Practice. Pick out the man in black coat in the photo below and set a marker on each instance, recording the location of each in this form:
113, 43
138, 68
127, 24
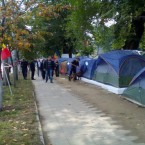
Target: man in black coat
42, 68
56, 68
32, 69
24, 65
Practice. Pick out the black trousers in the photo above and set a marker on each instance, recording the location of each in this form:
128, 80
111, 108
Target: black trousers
43, 74
57, 72
24, 73
32, 74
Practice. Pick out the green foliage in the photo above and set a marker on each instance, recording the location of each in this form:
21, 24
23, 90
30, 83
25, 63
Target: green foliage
65, 24
92, 16
142, 43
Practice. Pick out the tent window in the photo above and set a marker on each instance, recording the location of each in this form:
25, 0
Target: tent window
132, 66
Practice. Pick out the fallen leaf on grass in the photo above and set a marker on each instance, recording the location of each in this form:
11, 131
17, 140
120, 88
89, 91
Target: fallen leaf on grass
25, 129
25, 134
23, 123
15, 128
14, 140
10, 120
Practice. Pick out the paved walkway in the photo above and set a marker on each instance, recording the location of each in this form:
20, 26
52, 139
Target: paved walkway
68, 120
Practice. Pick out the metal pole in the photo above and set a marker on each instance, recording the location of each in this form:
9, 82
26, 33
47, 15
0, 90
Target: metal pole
7, 80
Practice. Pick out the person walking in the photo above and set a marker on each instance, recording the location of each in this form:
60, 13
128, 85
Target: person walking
56, 68
24, 65
32, 69
38, 67
49, 68
42, 68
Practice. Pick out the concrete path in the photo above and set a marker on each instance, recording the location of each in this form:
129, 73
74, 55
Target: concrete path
68, 120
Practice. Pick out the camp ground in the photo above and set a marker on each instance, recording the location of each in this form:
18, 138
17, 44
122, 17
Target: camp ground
136, 90
114, 71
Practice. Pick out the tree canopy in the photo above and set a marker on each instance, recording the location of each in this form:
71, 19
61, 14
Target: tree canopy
114, 24
42, 27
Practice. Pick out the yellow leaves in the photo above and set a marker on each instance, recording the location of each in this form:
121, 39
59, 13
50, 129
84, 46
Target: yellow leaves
1, 28
17, 36
25, 32
6, 38
51, 11
58, 8
25, 45
20, 44
9, 38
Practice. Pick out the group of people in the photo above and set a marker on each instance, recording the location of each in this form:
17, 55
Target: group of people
45, 67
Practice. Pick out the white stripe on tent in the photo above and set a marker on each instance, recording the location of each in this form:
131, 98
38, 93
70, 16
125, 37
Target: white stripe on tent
105, 86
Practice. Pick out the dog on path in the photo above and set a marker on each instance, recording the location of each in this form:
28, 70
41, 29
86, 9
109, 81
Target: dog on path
77, 75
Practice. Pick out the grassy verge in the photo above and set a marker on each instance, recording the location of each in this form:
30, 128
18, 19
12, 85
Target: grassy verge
18, 124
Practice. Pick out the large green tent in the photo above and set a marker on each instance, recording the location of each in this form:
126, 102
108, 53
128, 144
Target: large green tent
136, 90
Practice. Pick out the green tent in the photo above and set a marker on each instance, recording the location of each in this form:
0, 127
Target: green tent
136, 90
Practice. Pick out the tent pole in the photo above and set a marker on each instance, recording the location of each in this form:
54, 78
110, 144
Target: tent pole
140, 91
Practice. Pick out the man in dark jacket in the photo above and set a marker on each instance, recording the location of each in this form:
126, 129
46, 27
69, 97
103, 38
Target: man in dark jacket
74, 65
42, 68
56, 68
32, 69
24, 65
49, 68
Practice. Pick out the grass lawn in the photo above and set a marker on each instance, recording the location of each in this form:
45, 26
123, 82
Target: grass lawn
18, 124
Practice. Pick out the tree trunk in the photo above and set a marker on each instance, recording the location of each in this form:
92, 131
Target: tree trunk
15, 68
136, 33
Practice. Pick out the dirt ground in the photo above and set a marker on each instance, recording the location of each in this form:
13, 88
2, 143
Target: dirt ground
128, 115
